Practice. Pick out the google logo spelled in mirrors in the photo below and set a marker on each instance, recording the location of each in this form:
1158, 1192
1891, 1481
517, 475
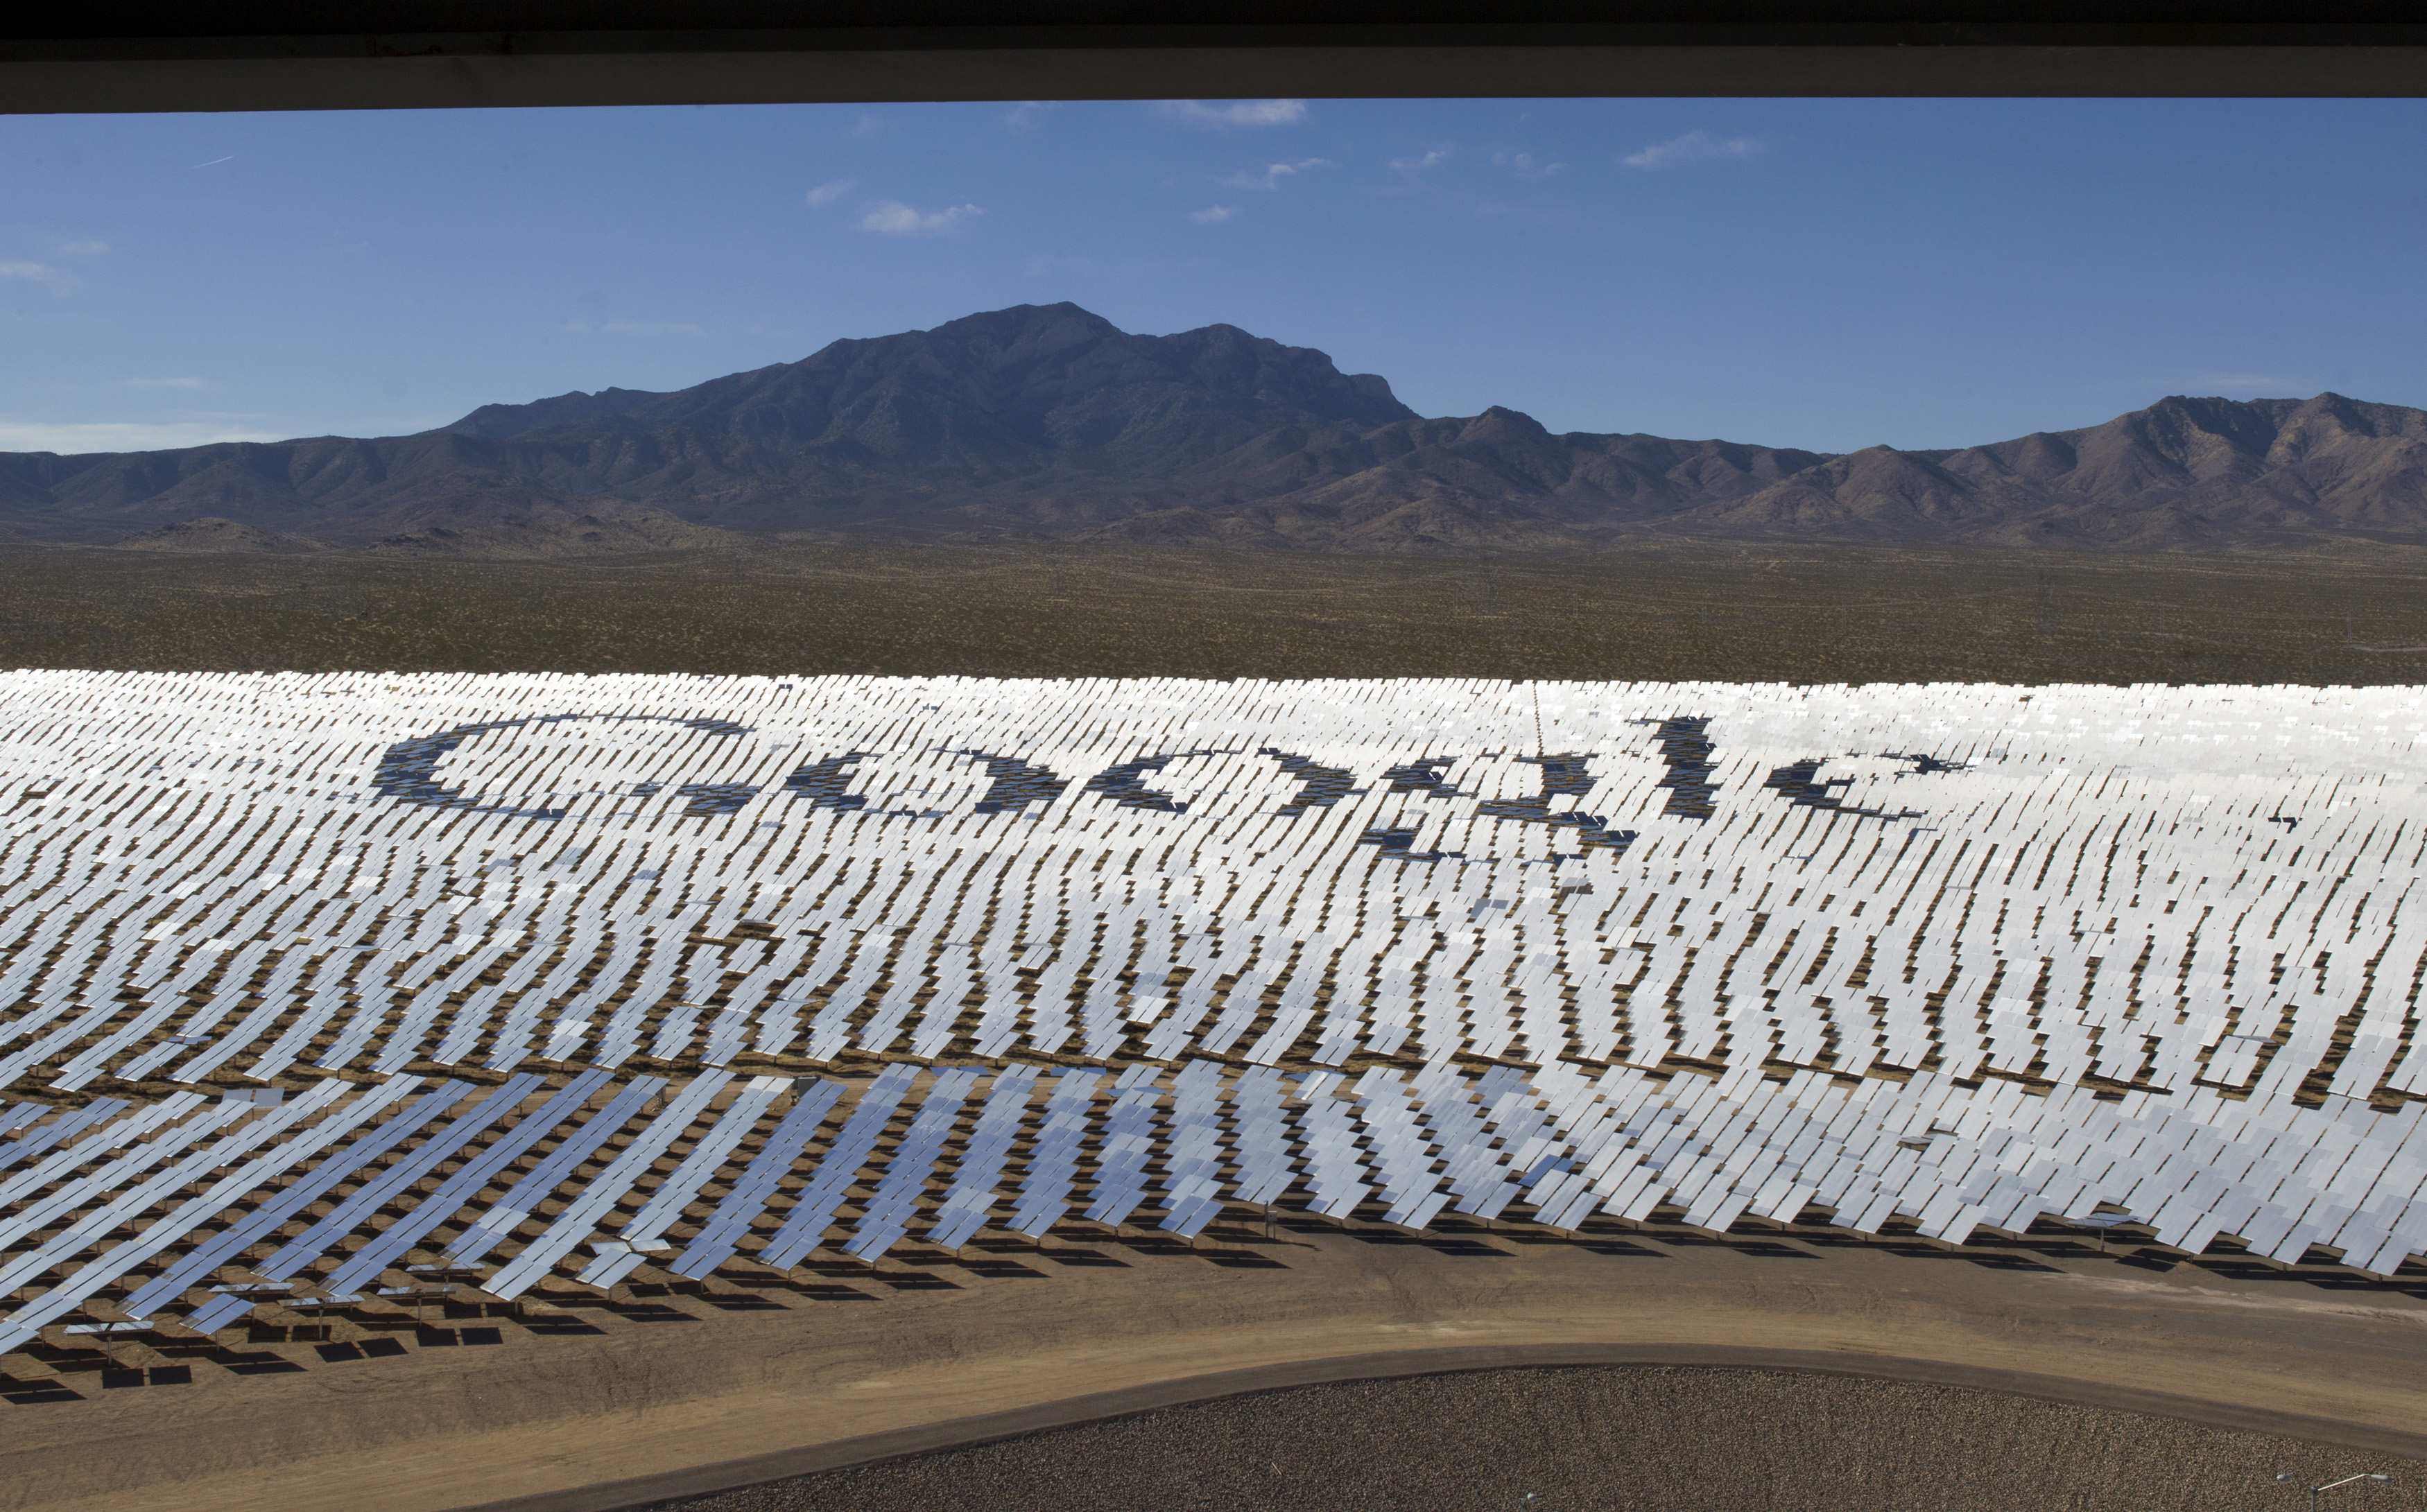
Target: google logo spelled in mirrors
1671, 770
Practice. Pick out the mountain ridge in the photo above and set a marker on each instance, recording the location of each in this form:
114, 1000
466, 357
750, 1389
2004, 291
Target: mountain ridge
1048, 421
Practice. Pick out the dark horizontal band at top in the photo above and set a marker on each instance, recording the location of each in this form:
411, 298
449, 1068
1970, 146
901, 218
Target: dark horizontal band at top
428, 54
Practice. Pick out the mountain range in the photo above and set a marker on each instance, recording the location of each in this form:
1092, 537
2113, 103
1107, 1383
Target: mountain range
1046, 421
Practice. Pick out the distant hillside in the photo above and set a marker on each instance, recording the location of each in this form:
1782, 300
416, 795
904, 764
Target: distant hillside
1045, 421
210, 532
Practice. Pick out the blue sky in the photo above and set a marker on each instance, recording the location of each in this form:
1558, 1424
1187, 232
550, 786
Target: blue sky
1818, 273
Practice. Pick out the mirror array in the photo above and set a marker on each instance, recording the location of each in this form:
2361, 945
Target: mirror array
312, 988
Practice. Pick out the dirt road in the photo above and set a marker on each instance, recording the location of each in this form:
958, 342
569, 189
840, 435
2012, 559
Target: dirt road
874, 1362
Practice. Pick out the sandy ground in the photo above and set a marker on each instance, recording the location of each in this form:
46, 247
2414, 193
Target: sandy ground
928, 1351
2355, 614
1583, 1438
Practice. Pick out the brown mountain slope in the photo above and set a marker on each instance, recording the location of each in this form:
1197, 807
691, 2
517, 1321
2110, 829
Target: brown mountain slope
2182, 471
1048, 421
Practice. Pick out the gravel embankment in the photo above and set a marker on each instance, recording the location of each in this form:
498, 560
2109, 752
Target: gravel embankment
1638, 1438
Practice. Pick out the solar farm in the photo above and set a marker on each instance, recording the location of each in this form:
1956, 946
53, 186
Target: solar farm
319, 992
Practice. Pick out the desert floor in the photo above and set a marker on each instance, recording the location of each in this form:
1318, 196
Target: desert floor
1636, 1437
669, 1395
2352, 615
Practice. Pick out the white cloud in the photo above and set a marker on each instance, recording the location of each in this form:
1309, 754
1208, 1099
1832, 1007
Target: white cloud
1234, 112
636, 328
891, 218
1693, 147
868, 123
1431, 159
57, 280
1212, 215
831, 190
109, 435
83, 248
189, 383
1271, 175
214, 162
1028, 114
1525, 166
